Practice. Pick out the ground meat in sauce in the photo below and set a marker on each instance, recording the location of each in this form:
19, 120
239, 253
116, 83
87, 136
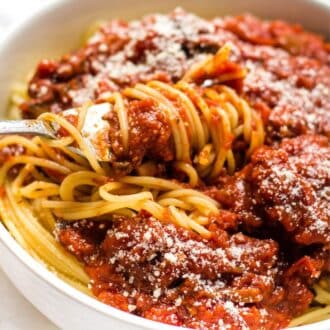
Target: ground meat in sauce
172, 275
118, 55
288, 78
288, 184
149, 135
279, 34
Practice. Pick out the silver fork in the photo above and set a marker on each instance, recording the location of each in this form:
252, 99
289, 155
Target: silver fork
27, 127
94, 122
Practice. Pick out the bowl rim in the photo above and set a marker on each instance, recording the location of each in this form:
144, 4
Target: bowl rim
40, 270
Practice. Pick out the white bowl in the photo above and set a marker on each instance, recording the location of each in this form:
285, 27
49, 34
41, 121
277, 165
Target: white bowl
53, 30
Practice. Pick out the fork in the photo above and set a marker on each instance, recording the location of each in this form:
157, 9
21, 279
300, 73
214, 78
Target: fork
38, 127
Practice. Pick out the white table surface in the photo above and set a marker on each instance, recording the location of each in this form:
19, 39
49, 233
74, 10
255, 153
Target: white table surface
16, 313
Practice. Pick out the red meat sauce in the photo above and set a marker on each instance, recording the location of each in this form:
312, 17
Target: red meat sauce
286, 187
288, 78
149, 136
171, 275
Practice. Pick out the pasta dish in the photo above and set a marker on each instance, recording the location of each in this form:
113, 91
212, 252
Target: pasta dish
210, 207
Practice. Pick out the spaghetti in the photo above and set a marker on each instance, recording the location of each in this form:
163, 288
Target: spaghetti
168, 201
214, 118
204, 122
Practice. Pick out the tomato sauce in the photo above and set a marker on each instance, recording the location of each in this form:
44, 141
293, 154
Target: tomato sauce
149, 136
287, 187
288, 68
171, 275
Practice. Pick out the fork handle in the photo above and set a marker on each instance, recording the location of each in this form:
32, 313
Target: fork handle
27, 127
